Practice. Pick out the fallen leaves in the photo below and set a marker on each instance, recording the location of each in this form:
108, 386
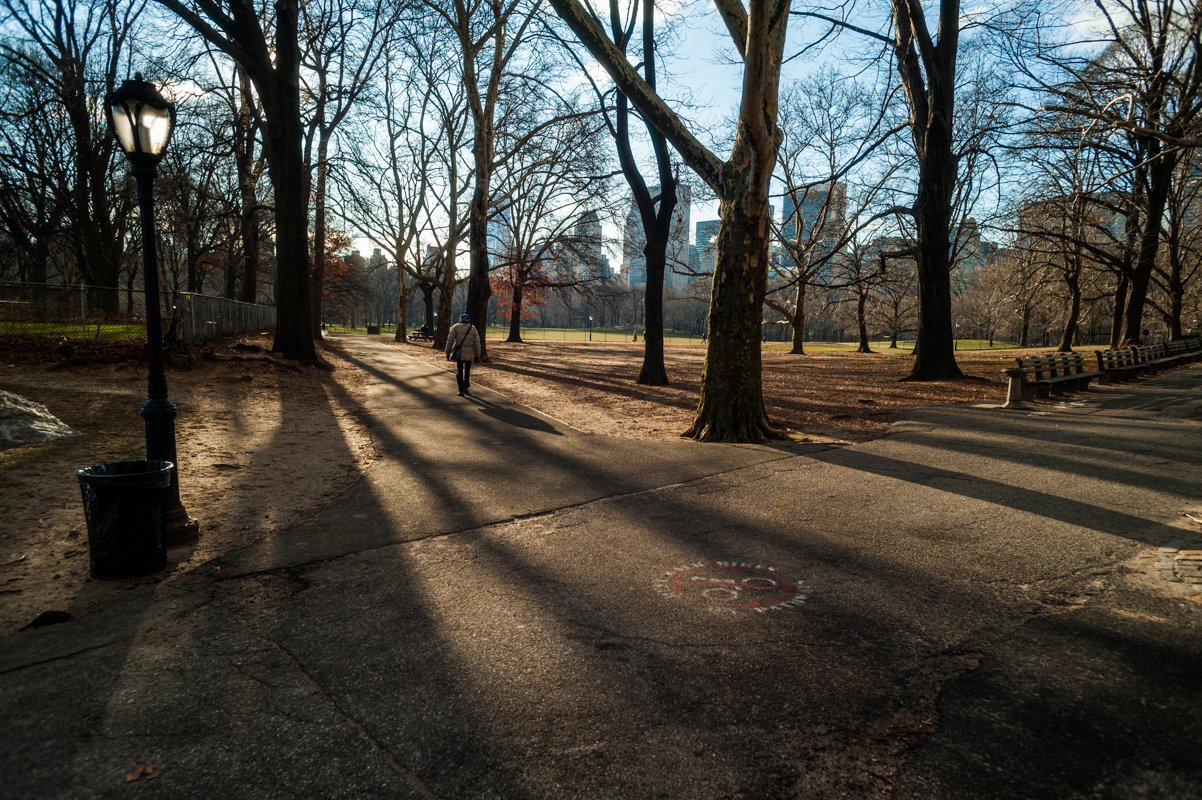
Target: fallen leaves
148, 772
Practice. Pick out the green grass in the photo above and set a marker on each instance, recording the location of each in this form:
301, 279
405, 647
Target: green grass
73, 330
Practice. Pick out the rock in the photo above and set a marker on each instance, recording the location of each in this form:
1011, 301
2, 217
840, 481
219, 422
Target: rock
24, 421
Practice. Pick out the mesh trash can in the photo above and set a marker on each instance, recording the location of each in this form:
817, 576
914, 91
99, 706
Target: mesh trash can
123, 506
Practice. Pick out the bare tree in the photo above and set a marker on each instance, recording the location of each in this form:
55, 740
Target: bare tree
831, 127
343, 45
1179, 268
76, 49
269, 52
549, 199
732, 401
1147, 84
394, 178
926, 63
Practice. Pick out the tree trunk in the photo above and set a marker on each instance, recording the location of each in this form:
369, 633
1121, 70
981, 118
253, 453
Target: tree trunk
446, 293
515, 316
930, 92
862, 323
318, 274
427, 290
1024, 336
1160, 176
1120, 304
285, 160
799, 320
244, 159
934, 348
1074, 316
653, 372
731, 408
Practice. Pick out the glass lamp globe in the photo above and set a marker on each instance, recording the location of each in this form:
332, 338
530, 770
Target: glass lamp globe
141, 118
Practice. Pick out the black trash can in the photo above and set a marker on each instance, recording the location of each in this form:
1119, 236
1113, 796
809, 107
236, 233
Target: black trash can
123, 505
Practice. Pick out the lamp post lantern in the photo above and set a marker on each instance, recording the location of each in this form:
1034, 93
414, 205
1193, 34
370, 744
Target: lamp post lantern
142, 120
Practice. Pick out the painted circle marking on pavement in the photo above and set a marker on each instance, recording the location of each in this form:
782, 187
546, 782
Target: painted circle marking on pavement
732, 585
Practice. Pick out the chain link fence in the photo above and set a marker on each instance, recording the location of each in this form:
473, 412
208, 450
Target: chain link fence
83, 313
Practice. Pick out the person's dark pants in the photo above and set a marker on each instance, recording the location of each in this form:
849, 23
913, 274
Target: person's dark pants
463, 374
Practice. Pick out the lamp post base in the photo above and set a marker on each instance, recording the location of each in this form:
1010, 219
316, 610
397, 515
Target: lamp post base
178, 526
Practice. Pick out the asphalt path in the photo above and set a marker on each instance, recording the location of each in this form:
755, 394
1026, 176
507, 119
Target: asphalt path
503, 607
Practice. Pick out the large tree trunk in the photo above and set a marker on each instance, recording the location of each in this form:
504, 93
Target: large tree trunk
929, 84
285, 160
478, 289
515, 316
653, 372
731, 408
934, 348
1160, 176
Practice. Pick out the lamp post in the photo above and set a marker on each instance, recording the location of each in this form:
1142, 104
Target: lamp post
142, 121
590, 327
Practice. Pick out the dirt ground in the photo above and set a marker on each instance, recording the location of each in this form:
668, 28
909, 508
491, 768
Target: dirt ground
262, 443
260, 446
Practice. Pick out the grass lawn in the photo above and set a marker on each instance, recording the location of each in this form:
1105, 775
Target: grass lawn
114, 331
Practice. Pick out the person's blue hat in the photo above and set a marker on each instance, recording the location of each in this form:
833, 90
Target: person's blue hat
464, 317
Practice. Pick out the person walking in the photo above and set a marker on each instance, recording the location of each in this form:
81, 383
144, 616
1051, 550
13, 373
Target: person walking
463, 345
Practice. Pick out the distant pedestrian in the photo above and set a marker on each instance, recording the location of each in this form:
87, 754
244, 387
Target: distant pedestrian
463, 346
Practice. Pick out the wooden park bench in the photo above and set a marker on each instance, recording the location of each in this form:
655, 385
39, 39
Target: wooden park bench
419, 336
1046, 375
1120, 365
1042, 376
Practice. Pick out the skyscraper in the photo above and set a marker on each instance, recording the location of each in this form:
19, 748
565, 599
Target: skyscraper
707, 244
589, 260
822, 232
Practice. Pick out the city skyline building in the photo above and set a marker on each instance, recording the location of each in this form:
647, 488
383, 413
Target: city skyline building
707, 244
589, 260
818, 215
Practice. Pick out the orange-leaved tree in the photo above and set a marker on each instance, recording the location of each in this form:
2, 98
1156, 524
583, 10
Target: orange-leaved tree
520, 290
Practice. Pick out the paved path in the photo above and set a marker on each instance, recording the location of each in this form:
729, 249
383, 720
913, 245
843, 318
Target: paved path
973, 607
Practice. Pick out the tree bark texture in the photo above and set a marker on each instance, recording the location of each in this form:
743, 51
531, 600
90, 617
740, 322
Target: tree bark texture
928, 74
1073, 284
862, 321
1160, 176
285, 162
731, 407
